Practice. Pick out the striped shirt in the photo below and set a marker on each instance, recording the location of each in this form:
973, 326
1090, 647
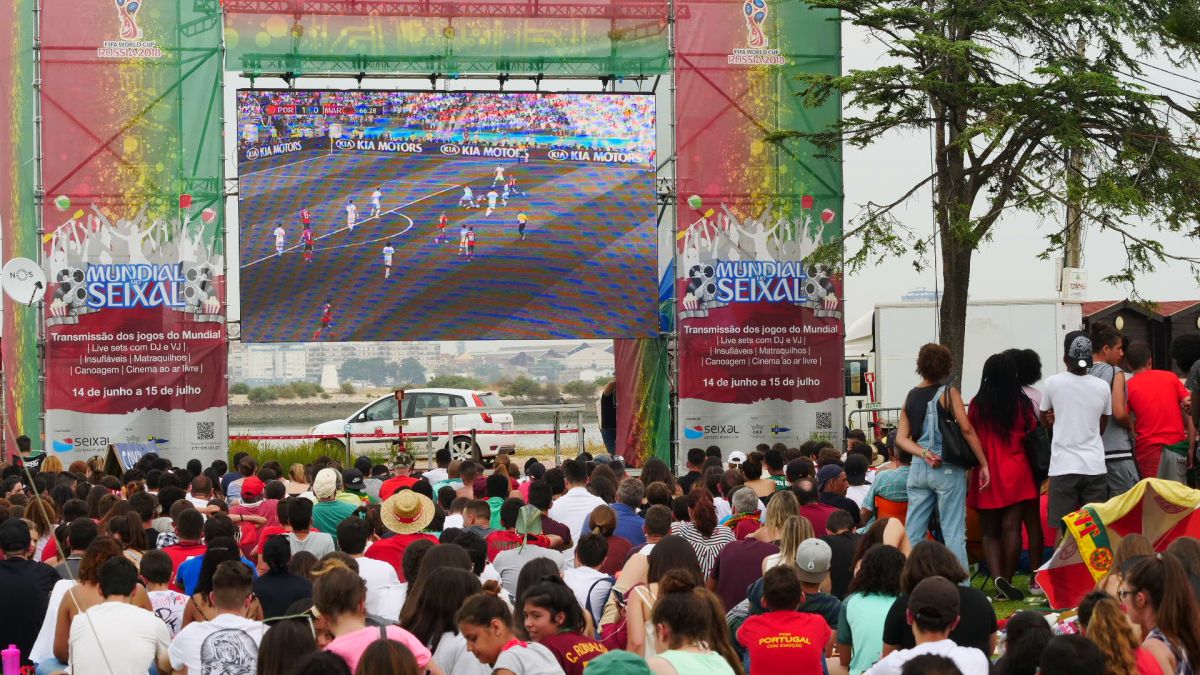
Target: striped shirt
707, 548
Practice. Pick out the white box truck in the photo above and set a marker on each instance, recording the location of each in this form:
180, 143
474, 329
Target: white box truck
897, 331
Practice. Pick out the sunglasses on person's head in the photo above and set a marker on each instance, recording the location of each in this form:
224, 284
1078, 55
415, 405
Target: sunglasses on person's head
305, 616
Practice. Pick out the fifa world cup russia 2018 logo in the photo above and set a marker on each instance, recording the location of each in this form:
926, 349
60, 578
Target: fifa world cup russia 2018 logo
127, 10
756, 16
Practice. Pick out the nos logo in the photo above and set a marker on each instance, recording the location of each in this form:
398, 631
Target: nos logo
451, 149
344, 144
558, 154
252, 153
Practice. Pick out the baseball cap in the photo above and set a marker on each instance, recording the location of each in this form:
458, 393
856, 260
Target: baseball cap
827, 473
736, 457
353, 479
934, 603
252, 487
325, 484
856, 469
618, 662
605, 458
400, 460
14, 535
813, 558
794, 469
1078, 348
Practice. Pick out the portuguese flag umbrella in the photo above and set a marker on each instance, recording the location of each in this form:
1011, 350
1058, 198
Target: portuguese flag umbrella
1162, 510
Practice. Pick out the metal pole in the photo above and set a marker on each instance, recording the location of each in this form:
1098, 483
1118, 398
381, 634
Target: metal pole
450, 434
39, 199
673, 354
579, 428
429, 437
557, 442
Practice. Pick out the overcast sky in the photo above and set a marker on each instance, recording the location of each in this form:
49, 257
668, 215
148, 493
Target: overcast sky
1004, 268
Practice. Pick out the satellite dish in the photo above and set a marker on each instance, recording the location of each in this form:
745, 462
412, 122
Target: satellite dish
23, 281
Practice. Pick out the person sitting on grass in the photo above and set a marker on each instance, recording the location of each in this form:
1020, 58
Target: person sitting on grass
784, 639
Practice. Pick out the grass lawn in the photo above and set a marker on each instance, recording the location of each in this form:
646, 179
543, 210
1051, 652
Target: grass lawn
1005, 608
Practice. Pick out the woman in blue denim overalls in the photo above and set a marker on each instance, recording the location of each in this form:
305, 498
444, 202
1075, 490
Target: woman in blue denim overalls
931, 481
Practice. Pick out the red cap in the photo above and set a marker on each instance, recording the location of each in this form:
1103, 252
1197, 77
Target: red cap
252, 487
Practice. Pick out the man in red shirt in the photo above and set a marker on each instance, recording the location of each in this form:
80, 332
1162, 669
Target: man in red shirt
405, 513
1156, 398
401, 465
783, 640
811, 507
189, 529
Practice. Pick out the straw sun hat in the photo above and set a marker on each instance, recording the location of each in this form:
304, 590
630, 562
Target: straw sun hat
407, 512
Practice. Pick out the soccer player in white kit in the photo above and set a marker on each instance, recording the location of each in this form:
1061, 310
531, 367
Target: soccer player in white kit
388, 252
499, 176
491, 197
351, 214
462, 240
468, 196
280, 236
504, 195
376, 198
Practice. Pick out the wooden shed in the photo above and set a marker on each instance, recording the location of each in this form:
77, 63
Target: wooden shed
1156, 324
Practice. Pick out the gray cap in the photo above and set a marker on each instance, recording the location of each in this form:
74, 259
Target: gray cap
813, 559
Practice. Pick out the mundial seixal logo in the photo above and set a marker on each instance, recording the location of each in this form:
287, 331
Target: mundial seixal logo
693, 432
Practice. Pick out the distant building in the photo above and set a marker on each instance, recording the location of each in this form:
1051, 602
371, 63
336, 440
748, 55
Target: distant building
921, 295
258, 365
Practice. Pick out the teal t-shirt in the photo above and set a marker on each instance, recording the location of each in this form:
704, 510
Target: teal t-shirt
326, 516
861, 627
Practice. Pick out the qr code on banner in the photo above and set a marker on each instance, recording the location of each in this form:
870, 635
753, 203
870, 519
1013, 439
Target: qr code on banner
824, 420
206, 431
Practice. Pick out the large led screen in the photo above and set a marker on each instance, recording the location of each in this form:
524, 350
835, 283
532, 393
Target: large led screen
387, 215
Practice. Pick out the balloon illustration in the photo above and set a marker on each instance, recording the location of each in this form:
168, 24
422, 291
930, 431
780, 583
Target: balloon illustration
62, 202
695, 202
208, 215
827, 216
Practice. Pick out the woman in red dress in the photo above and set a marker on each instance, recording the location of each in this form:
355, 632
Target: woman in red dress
1002, 415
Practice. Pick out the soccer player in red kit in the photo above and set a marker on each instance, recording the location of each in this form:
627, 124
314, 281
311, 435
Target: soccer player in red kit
326, 319
305, 217
441, 235
306, 238
470, 243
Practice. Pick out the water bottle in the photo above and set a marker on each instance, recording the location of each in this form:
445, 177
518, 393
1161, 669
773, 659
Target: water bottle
11, 659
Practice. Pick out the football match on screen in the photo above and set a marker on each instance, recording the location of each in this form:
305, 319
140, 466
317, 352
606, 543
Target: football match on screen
392, 215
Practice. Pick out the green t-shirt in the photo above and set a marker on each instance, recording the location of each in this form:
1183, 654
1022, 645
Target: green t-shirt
326, 516
861, 627
781, 482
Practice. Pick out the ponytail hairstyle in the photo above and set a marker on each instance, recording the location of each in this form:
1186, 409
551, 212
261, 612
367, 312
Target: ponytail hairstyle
604, 521
1109, 628
483, 608
702, 510
552, 594
794, 531
1163, 579
128, 529
1103, 334
693, 614
337, 589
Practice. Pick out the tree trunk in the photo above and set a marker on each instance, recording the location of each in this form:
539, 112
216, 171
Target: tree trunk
956, 279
